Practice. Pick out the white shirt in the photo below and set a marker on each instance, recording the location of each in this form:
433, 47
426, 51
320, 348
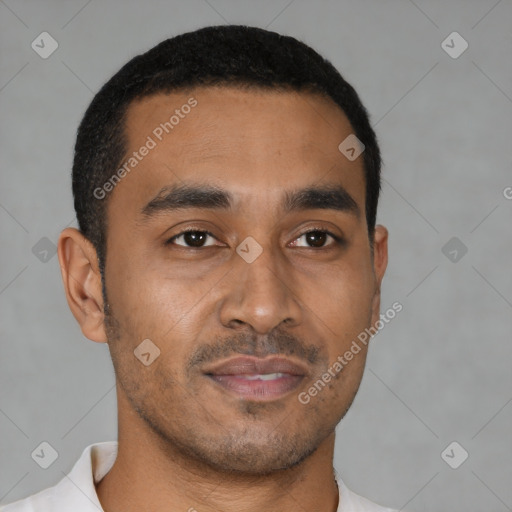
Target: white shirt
76, 492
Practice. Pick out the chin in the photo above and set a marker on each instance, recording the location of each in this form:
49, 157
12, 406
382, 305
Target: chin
251, 452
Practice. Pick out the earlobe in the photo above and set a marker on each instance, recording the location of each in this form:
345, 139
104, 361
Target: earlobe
82, 282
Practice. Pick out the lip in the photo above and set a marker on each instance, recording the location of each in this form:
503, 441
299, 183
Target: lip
239, 375
246, 365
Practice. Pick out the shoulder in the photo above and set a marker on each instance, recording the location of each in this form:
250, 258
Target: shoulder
39, 502
352, 502
76, 491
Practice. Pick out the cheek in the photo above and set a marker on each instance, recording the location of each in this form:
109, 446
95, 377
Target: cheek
343, 302
342, 296
157, 303
331, 400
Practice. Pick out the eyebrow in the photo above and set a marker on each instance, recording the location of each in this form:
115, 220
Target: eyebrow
331, 197
187, 196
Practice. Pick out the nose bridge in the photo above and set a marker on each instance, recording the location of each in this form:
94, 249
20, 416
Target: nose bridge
261, 293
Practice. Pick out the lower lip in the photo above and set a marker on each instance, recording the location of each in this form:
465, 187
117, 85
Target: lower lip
258, 390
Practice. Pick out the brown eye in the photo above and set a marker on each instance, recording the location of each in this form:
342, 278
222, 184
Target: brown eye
316, 238
191, 238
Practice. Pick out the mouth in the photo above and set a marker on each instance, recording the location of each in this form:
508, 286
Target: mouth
257, 379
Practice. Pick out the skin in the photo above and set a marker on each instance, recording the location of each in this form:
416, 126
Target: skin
184, 442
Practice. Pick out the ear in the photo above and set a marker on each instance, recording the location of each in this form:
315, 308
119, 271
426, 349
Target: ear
82, 282
380, 262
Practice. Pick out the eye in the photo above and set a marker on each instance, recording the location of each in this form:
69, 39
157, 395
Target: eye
191, 238
316, 238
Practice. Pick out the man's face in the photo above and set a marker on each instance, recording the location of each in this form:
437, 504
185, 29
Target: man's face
294, 299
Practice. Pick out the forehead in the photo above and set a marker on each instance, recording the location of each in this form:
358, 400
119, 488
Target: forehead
254, 113
247, 141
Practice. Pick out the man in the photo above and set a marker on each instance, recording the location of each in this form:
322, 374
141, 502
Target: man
226, 186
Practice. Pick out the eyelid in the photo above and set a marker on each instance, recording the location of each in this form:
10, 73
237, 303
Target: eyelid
170, 240
324, 229
338, 240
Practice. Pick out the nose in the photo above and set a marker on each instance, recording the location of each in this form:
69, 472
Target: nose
261, 294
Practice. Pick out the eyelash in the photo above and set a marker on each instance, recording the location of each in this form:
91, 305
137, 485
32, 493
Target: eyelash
337, 240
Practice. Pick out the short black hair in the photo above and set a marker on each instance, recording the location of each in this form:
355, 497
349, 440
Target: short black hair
233, 55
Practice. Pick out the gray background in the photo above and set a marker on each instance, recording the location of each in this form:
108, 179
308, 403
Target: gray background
439, 372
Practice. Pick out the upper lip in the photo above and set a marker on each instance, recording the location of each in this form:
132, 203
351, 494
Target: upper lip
244, 365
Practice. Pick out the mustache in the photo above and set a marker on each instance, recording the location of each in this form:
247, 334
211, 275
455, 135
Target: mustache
277, 342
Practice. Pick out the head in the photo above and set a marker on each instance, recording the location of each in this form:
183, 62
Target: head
229, 134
